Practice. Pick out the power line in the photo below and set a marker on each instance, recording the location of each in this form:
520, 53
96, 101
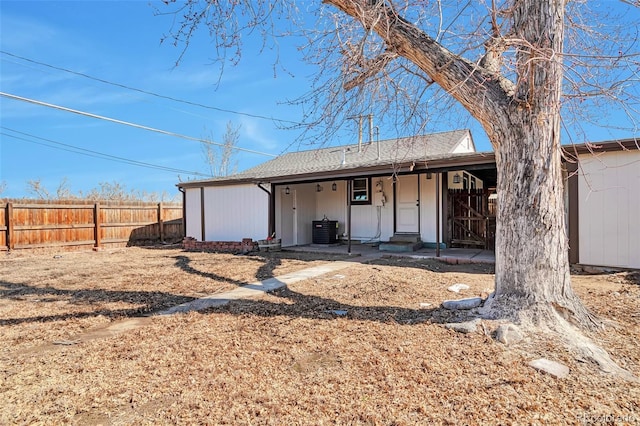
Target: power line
146, 92
126, 123
90, 153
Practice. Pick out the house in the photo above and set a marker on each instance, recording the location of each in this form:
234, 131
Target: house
430, 190
383, 189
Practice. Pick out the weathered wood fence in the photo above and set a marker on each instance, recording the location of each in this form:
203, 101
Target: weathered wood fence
34, 224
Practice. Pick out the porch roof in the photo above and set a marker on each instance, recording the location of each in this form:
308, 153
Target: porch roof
419, 153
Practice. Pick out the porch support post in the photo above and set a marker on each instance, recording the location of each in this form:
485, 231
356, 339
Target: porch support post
202, 213
271, 224
349, 183
573, 214
437, 214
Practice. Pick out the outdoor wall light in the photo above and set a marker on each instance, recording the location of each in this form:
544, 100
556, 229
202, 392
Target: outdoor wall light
334, 187
318, 188
287, 191
456, 178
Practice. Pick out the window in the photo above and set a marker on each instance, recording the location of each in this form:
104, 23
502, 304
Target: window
361, 191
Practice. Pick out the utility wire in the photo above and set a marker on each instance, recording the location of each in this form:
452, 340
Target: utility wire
95, 154
126, 123
262, 117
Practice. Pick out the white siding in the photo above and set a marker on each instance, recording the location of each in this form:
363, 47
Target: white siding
295, 226
466, 145
333, 204
236, 212
306, 212
193, 220
428, 209
371, 222
609, 206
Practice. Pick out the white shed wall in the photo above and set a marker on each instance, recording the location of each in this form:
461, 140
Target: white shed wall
609, 207
428, 209
192, 207
236, 212
333, 204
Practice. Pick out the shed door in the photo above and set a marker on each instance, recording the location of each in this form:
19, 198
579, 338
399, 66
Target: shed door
407, 204
289, 218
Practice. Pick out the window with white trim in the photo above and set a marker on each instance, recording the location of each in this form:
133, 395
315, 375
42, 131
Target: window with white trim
361, 191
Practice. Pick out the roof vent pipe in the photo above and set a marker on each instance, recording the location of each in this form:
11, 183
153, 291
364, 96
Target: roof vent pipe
377, 129
360, 133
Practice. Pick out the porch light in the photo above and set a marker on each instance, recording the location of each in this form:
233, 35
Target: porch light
429, 175
334, 187
456, 178
287, 191
318, 188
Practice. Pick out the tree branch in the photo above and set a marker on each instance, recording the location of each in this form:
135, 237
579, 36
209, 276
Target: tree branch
372, 67
483, 93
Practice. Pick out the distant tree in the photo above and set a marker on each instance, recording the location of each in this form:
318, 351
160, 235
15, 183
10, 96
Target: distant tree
105, 191
3, 186
36, 188
219, 158
513, 65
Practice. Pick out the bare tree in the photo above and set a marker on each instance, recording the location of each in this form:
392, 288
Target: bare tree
219, 158
3, 186
512, 66
36, 188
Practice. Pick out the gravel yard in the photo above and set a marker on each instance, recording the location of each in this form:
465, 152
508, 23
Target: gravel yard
287, 357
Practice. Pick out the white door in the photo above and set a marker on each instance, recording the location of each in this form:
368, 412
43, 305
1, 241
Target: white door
407, 204
288, 219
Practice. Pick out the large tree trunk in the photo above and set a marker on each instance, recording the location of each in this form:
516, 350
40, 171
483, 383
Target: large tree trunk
532, 267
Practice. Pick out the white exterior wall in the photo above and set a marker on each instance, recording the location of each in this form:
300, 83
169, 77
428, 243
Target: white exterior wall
609, 209
193, 219
235, 212
295, 213
333, 204
428, 209
365, 218
465, 146
462, 174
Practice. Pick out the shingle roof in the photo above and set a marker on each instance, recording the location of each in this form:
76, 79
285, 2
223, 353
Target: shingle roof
344, 158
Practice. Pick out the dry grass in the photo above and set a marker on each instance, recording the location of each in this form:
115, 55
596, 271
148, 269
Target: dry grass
285, 358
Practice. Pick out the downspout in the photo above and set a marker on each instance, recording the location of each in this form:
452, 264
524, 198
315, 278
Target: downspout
184, 210
349, 183
272, 209
202, 215
437, 214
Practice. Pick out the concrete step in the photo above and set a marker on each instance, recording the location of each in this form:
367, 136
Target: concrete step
400, 247
405, 238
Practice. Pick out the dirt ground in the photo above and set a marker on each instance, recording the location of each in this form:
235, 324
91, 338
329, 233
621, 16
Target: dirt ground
287, 358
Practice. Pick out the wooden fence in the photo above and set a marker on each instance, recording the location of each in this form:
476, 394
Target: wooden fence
32, 224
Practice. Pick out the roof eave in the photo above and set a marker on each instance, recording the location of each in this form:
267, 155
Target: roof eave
430, 165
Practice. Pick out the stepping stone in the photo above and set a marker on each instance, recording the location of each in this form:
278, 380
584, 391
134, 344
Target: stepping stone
508, 333
470, 303
456, 288
463, 327
553, 368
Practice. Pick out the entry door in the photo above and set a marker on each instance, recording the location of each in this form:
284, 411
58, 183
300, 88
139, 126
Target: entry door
407, 204
288, 219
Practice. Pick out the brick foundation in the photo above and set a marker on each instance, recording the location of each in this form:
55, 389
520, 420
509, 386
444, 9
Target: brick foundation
245, 246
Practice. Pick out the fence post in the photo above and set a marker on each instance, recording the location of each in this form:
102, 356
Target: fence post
96, 222
160, 221
9, 221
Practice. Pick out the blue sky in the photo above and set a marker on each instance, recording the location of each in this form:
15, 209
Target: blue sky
119, 41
